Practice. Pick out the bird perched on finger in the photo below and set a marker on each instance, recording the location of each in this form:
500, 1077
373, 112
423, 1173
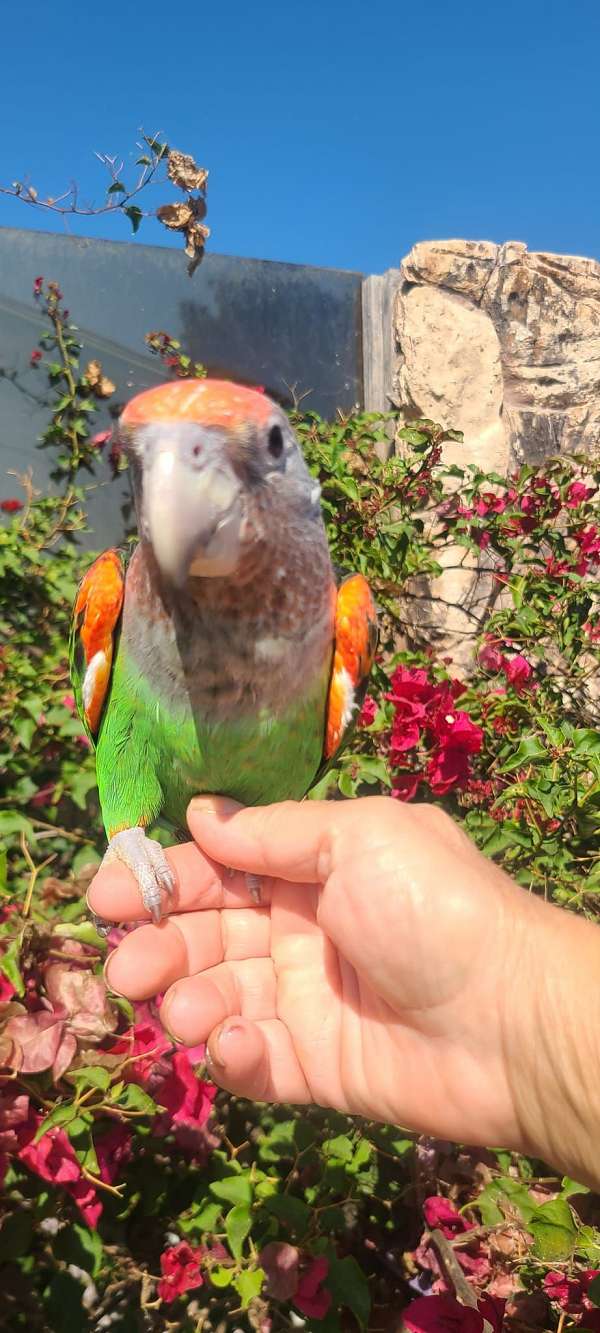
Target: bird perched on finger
223, 655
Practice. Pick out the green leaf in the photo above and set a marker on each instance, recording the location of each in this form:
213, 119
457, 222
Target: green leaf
116, 188
348, 1286
553, 1230
10, 966
61, 1115
293, 1212
135, 216
80, 930
237, 1226
593, 1290
500, 1197
78, 1245
339, 1148
529, 751
133, 1098
248, 1284
91, 1076
233, 1189
221, 1276
16, 1235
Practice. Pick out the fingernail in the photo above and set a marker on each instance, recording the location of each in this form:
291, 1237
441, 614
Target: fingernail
107, 981
214, 805
221, 1042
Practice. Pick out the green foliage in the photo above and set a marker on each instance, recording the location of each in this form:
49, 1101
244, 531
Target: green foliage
134, 1198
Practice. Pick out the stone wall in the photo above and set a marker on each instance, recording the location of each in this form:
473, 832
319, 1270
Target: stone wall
493, 340
503, 345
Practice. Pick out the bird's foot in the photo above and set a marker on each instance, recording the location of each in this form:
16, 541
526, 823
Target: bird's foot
147, 861
253, 886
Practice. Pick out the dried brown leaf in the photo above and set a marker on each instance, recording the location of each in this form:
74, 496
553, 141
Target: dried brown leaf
100, 385
175, 216
184, 172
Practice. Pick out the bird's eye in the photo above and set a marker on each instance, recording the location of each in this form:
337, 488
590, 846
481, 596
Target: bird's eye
275, 442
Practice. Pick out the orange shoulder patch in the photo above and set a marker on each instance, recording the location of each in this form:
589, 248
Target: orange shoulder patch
97, 610
355, 643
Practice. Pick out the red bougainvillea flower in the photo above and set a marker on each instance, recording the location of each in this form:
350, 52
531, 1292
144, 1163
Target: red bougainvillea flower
571, 1294
113, 1150
180, 1268
37, 286
577, 494
489, 656
405, 785
444, 1314
11, 506
518, 672
7, 989
458, 738
187, 1099
488, 503
439, 1212
311, 1297
68, 702
588, 540
43, 795
592, 630
98, 441
53, 1158
368, 712
35, 357
146, 1041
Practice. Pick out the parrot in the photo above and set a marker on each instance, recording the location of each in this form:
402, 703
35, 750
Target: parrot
222, 653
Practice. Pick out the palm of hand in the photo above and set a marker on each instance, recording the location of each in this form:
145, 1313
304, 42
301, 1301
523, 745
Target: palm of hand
364, 993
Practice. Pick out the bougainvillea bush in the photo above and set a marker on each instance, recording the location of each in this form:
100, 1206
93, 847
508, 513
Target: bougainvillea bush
136, 1198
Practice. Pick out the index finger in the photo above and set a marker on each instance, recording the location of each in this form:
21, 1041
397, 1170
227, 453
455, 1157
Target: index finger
200, 884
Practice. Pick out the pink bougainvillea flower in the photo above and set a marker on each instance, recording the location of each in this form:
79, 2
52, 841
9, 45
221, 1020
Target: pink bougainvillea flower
281, 1263
82, 997
180, 1268
311, 1297
35, 357
518, 672
490, 657
68, 702
368, 712
592, 630
409, 719
11, 506
100, 439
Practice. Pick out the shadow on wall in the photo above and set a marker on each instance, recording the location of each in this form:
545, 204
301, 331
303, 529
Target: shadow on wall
292, 329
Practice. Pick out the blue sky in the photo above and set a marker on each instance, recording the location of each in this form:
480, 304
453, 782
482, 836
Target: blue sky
337, 132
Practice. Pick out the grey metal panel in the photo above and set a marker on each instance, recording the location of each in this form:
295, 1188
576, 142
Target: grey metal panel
281, 325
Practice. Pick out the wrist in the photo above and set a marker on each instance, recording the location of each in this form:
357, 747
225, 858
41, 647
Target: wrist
551, 1037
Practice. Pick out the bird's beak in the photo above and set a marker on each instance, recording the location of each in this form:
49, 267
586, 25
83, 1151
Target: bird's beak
192, 516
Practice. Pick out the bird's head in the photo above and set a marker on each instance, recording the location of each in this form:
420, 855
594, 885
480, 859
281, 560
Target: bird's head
213, 463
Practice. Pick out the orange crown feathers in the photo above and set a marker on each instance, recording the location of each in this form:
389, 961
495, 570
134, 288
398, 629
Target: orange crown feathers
209, 402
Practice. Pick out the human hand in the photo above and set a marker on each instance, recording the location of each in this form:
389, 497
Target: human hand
392, 972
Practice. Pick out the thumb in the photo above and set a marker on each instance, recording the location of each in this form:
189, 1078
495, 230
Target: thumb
296, 841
